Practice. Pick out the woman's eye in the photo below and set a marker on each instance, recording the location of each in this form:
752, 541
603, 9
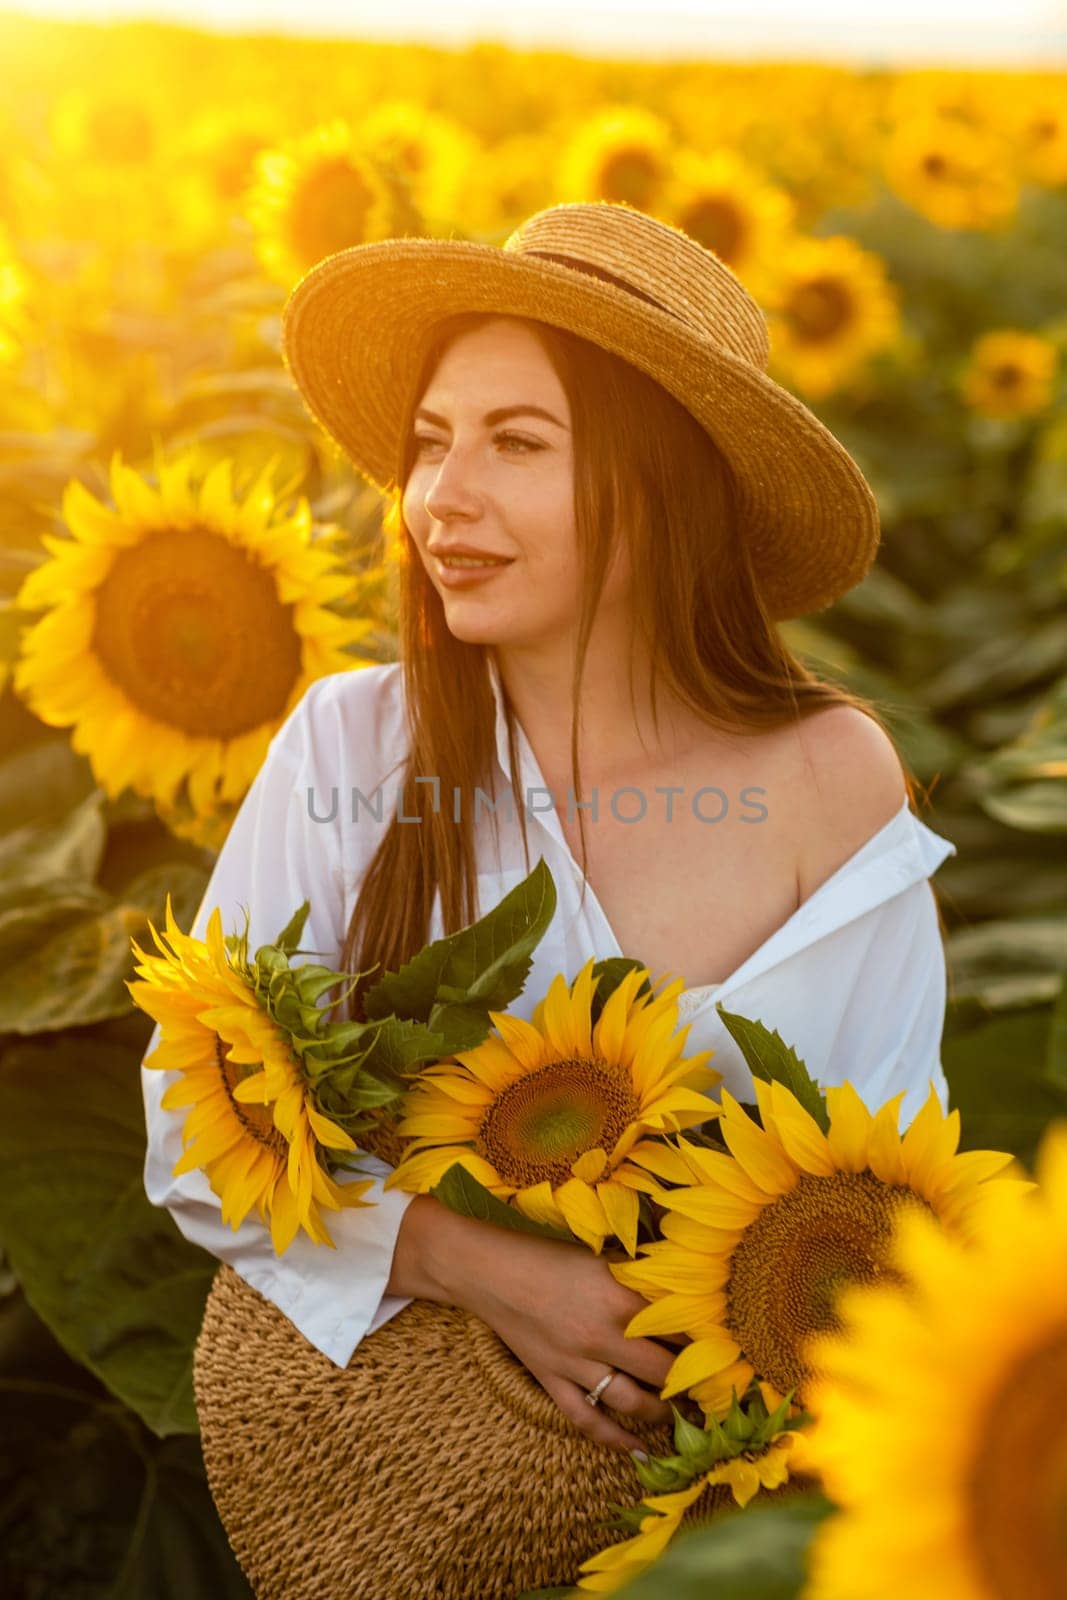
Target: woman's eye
422, 439
527, 444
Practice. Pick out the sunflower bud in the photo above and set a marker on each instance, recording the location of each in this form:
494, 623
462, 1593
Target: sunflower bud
659, 1476
689, 1440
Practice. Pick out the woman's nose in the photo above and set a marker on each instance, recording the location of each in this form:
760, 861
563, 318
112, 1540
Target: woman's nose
453, 488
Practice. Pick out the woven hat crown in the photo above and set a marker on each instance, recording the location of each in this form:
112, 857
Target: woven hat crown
655, 262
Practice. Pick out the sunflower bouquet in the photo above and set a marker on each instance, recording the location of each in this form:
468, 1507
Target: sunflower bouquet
738, 1225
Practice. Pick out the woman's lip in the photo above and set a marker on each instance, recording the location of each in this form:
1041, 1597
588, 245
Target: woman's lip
469, 555
461, 577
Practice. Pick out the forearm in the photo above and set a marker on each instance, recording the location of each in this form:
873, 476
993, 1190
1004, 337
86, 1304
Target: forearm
442, 1256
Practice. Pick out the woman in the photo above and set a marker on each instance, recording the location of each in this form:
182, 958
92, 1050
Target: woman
595, 429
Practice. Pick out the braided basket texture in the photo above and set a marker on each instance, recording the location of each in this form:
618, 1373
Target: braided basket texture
433, 1467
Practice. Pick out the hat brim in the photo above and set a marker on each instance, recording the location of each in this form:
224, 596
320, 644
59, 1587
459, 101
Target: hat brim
353, 332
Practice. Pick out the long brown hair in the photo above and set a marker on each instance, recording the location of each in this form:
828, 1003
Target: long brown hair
645, 468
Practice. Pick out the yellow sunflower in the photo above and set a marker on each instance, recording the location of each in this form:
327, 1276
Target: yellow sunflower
181, 629
223, 141
1041, 131
757, 1243
251, 1126
506, 184
727, 206
553, 1114
955, 174
314, 194
962, 98
831, 306
1010, 374
941, 1414
620, 153
108, 128
212, 166
433, 153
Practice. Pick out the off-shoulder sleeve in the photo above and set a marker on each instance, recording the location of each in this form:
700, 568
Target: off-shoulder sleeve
881, 1012
855, 981
274, 857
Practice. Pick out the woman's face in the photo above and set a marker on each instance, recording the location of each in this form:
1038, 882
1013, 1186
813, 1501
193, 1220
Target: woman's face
493, 471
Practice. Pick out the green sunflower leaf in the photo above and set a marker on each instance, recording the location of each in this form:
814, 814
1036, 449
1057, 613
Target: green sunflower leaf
460, 1026
755, 1554
460, 1191
103, 1509
312, 981
1056, 1062
607, 975
70, 848
109, 1273
769, 1057
455, 981
65, 956
289, 938
401, 1044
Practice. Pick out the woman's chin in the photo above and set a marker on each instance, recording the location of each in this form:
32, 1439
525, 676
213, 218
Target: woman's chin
478, 630
482, 636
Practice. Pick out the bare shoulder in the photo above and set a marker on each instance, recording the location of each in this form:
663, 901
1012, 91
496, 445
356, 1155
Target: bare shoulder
849, 784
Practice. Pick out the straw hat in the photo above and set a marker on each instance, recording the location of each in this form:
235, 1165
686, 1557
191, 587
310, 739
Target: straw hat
354, 328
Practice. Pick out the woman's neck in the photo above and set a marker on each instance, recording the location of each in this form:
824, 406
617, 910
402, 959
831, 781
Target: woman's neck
617, 737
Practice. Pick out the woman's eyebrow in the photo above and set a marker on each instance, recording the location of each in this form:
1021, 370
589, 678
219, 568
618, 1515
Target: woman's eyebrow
499, 415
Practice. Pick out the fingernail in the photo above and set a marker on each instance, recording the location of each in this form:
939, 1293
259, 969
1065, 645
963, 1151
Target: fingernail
639, 1455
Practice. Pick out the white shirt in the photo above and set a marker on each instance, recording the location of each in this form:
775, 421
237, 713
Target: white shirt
855, 979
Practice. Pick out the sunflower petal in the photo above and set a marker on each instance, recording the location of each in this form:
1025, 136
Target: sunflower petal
537, 1203
762, 1158
584, 1212
672, 1313
850, 1128
929, 1144
884, 1155
799, 1134
662, 1159
327, 1132
590, 1165
699, 1361
622, 1209
526, 1043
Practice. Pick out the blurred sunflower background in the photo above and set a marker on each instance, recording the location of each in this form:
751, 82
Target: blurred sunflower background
182, 551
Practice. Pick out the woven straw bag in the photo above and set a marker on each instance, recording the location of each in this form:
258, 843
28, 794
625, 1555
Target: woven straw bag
433, 1467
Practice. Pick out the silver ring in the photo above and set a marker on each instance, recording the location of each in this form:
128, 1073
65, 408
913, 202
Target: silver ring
593, 1396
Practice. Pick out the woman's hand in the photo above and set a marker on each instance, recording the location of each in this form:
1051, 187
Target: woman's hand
558, 1307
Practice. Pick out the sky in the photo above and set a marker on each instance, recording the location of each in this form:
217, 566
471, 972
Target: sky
917, 32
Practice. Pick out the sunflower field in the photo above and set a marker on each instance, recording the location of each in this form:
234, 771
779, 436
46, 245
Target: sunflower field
183, 551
